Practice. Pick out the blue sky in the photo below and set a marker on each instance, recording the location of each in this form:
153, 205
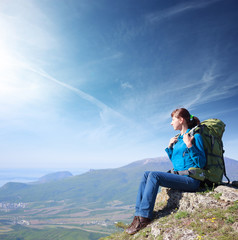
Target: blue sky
91, 84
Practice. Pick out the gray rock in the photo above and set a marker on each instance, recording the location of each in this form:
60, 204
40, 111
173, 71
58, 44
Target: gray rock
182, 234
170, 200
228, 194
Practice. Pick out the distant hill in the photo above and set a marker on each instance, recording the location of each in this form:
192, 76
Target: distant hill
99, 186
231, 169
54, 176
94, 186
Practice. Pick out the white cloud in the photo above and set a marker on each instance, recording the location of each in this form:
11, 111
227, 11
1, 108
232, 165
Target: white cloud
189, 93
26, 32
207, 81
127, 30
212, 88
178, 9
126, 85
107, 114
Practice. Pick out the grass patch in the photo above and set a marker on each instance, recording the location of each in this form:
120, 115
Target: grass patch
208, 223
234, 207
121, 225
215, 223
181, 214
217, 196
230, 219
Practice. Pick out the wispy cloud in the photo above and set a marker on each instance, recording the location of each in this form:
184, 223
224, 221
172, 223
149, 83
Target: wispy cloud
213, 87
178, 9
127, 30
100, 61
224, 112
191, 93
105, 109
206, 82
126, 85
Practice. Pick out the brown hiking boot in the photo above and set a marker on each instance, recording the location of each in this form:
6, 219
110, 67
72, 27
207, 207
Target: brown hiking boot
136, 218
138, 225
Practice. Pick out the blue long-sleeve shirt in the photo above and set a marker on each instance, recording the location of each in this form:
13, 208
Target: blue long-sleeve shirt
183, 157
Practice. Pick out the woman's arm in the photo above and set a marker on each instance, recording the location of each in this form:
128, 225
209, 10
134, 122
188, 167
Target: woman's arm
169, 149
172, 141
195, 149
169, 152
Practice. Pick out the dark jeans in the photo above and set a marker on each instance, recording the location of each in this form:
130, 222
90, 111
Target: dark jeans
149, 187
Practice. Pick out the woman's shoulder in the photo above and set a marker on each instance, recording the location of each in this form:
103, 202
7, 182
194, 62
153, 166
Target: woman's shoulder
198, 137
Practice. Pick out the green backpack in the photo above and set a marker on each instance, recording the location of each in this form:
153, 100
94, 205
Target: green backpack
211, 131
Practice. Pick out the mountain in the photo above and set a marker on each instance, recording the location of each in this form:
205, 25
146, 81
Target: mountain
231, 169
100, 186
54, 177
94, 186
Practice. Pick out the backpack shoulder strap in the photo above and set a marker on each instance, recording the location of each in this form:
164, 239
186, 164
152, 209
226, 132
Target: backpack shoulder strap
195, 130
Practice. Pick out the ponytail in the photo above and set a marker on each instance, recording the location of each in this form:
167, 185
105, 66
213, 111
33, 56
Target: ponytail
193, 122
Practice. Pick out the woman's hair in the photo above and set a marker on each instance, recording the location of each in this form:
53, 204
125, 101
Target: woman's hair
191, 120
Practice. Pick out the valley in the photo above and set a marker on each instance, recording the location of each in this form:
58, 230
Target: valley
84, 206
64, 214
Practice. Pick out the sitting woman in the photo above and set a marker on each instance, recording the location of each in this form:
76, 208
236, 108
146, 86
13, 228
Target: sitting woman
184, 151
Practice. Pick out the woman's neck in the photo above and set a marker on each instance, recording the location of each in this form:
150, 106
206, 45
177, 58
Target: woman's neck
183, 130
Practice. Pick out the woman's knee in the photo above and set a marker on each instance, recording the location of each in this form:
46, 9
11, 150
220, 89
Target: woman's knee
155, 174
151, 175
147, 173
145, 176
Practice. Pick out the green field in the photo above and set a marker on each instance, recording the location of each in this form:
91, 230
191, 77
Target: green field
50, 233
56, 220
77, 207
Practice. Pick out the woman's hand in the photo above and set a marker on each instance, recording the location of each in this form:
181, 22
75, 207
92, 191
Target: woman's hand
188, 140
172, 141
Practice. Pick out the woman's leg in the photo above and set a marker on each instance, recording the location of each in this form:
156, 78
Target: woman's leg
149, 188
141, 192
137, 222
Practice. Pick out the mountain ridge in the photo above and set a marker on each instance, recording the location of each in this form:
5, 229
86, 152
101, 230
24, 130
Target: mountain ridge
101, 185
54, 176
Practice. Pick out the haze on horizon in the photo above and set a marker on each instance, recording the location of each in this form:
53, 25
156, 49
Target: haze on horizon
91, 84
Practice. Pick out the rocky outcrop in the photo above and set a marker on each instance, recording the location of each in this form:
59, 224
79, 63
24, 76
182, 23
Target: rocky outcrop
185, 201
170, 201
207, 214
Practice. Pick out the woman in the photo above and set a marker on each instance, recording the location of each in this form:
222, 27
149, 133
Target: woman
184, 151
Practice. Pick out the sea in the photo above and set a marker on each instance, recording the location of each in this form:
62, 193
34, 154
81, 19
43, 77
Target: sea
27, 175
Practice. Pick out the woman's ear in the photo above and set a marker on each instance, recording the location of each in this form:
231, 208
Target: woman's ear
181, 120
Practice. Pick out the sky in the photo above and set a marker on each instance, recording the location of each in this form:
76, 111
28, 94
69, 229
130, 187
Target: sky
92, 84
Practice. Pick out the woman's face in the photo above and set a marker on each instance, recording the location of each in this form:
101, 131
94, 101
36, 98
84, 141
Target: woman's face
177, 123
